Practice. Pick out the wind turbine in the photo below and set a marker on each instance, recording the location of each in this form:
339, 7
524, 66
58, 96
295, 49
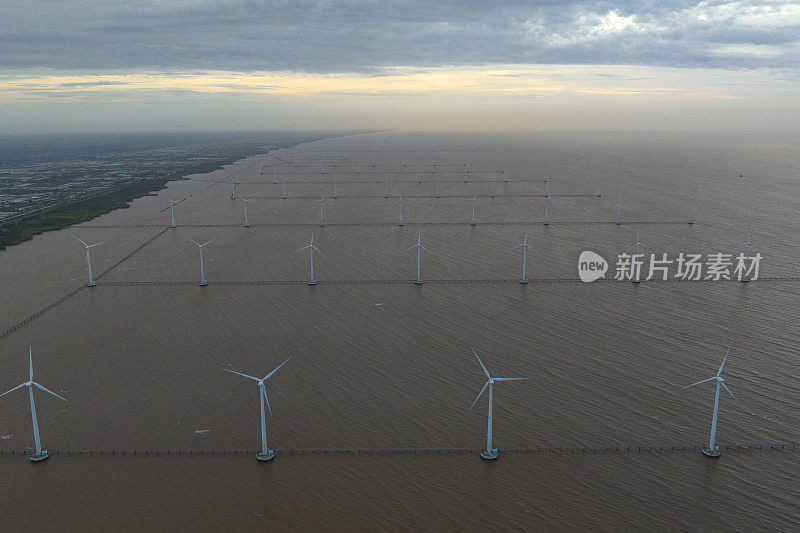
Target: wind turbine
711, 450
92, 282
274, 175
265, 454
619, 210
311, 249
335, 196
400, 202
691, 208
386, 190
525, 249
436, 187
245, 200
546, 187
40, 454
637, 266
747, 246
490, 452
492, 195
203, 281
419, 248
321, 208
599, 195
284, 188
172, 204
474, 223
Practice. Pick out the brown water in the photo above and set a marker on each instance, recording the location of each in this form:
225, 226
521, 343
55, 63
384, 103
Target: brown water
382, 365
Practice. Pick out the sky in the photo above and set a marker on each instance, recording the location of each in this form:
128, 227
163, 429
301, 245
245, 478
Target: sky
187, 65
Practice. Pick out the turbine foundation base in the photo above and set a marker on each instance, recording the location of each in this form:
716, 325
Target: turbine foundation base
524, 281
91, 284
489, 454
203, 283
265, 456
635, 280
418, 282
247, 225
35, 458
708, 452
312, 282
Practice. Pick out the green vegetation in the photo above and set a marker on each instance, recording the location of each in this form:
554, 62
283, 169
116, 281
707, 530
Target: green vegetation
60, 216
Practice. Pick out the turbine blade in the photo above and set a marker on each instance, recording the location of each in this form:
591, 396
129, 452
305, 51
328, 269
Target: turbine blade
481, 363
699, 382
30, 358
425, 249
264, 392
723, 360
510, 379
519, 246
479, 395
303, 248
197, 243
12, 390
409, 248
279, 366
209, 242
729, 391
80, 241
317, 249
48, 390
245, 375
95, 244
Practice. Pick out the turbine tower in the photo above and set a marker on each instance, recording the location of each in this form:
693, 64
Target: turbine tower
619, 211
321, 209
386, 190
335, 195
525, 249
172, 204
245, 200
40, 454
92, 282
311, 249
436, 187
400, 202
599, 195
711, 450
691, 208
492, 195
284, 188
419, 248
636, 246
490, 452
265, 454
547, 210
473, 209
203, 281
748, 261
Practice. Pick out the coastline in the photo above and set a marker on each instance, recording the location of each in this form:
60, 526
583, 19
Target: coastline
16, 230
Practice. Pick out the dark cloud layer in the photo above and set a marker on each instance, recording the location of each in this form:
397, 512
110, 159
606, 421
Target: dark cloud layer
338, 36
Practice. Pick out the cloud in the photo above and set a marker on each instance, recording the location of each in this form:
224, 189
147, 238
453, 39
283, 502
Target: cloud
364, 36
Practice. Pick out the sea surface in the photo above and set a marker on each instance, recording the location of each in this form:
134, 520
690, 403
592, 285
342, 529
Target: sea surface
377, 361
